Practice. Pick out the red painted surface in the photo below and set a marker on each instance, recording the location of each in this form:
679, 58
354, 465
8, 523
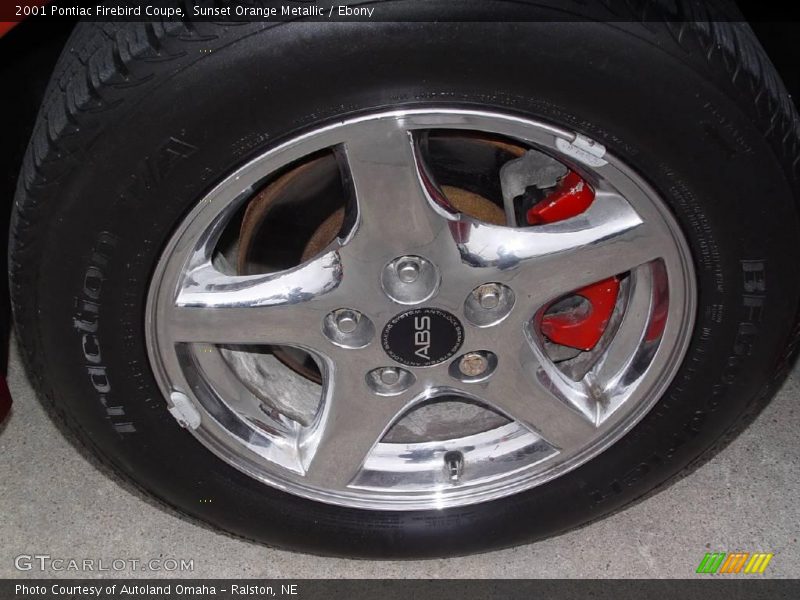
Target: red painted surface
571, 197
582, 329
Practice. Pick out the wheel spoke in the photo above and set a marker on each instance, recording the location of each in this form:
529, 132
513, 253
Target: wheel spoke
274, 308
630, 333
236, 396
550, 260
208, 287
353, 420
397, 208
296, 325
528, 392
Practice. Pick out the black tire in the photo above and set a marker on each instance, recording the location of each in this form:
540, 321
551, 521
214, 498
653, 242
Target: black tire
140, 119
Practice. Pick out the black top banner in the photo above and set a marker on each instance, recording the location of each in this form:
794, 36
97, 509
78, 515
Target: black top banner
389, 10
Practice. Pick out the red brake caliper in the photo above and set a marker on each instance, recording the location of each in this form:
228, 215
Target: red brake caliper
578, 327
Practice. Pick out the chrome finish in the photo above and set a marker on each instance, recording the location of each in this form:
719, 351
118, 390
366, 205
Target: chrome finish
348, 328
410, 279
346, 321
555, 423
390, 381
408, 270
488, 304
390, 375
489, 296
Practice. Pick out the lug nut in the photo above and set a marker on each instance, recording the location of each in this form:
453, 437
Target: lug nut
347, 321
488, 304
389, 375
408, 270
410, 279
489, 296
389, 381
348, 328
473, 364
473, 367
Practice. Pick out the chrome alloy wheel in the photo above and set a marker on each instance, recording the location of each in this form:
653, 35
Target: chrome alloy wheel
414, 301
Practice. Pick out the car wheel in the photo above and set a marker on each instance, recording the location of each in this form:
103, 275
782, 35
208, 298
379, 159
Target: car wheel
408, 289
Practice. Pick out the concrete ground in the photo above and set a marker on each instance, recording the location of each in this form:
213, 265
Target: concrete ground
52, 501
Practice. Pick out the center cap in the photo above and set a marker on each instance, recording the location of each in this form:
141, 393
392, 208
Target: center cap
422, 337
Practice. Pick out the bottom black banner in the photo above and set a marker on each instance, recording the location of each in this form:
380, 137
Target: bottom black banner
440, 589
